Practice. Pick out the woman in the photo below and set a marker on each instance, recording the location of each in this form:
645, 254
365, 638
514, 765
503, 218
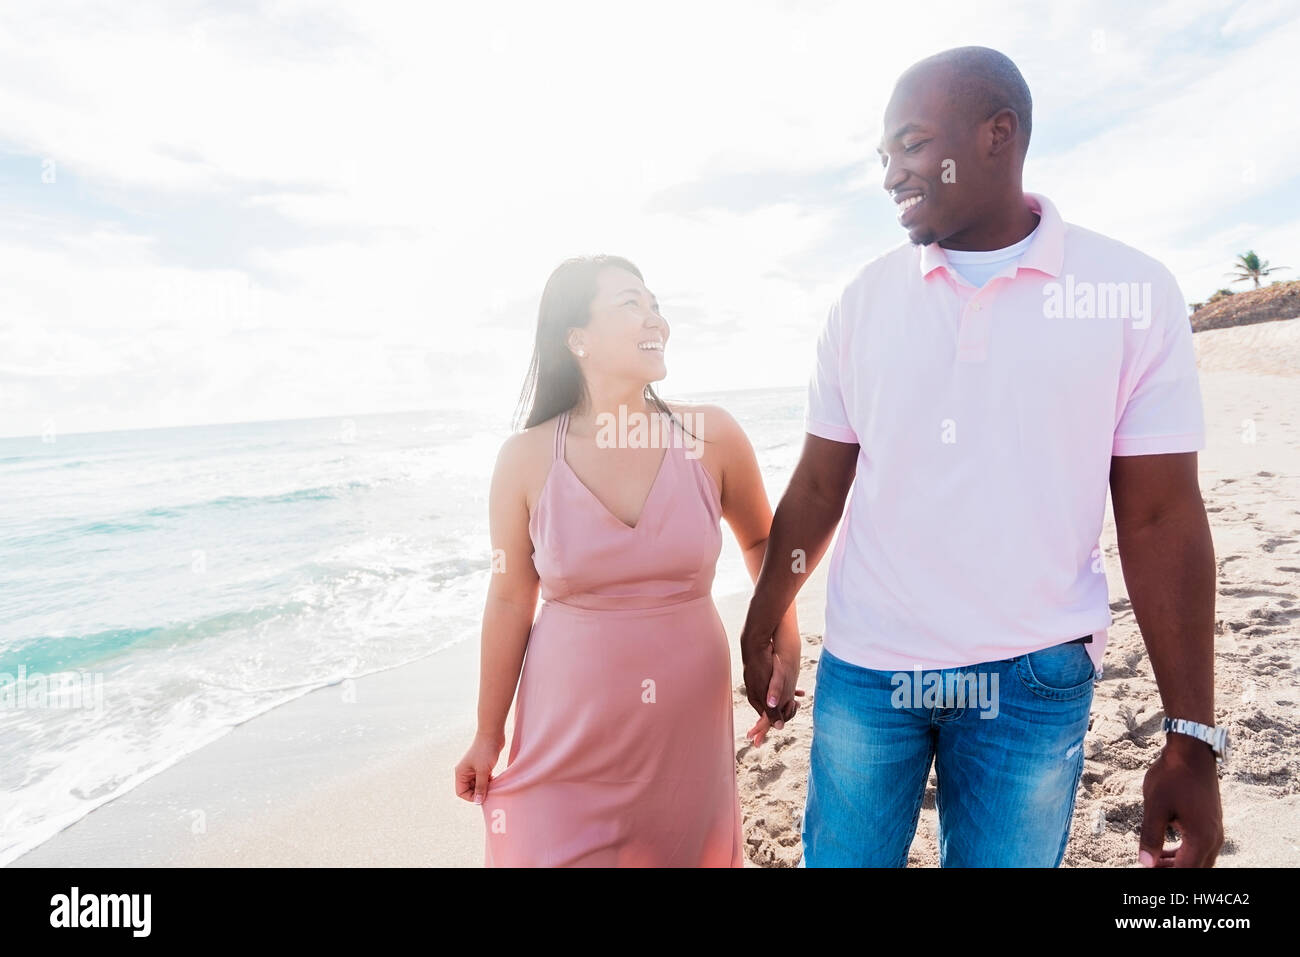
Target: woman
623, 751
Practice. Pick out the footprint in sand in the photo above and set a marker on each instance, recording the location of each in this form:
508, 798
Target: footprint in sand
1245, 591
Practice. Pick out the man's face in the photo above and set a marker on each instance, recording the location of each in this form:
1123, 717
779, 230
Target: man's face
929, 158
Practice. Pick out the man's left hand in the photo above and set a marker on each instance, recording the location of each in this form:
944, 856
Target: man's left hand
1182, 789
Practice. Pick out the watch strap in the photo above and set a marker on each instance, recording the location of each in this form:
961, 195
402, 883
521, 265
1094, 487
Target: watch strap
1216, 738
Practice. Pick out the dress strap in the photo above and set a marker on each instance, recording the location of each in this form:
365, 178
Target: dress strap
561, 428
669, 433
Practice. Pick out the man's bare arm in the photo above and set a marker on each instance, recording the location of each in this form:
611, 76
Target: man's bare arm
805, 520
1167, 556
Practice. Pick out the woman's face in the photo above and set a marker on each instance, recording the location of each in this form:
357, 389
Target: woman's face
626, 335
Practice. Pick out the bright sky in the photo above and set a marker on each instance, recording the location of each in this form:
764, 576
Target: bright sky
232, 211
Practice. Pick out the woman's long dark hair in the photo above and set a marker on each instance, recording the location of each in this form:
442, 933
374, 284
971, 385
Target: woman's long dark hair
554, 383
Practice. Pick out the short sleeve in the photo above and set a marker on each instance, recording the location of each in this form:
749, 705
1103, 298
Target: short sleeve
825, 413
1161, 407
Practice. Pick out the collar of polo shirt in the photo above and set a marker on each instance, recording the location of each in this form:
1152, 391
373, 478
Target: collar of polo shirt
1045, 254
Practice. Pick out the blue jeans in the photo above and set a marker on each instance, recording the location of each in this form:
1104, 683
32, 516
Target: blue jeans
1006, 738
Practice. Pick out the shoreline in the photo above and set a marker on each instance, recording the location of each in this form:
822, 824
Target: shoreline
267, 763
341, 776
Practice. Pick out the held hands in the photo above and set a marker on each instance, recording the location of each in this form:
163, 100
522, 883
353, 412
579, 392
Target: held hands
474, 772
771, 674
1182, 789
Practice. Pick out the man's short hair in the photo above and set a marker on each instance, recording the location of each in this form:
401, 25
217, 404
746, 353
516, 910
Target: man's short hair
985, 81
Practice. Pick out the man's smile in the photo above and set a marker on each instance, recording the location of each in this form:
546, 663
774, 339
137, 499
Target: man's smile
907, 203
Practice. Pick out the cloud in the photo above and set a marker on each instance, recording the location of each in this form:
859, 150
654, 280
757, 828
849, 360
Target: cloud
304, 208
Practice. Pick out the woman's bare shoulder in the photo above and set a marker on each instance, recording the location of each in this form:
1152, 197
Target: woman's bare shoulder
722, 440
709, 421
525, 451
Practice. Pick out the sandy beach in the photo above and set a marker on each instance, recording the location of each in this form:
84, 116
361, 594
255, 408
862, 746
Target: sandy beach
361, 774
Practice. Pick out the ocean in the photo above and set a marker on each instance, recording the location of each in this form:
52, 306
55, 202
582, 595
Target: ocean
183, 581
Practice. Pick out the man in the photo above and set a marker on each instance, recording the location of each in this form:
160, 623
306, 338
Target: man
977, 388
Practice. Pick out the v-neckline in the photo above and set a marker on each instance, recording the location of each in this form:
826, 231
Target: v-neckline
645, 505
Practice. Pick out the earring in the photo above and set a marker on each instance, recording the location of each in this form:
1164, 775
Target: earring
581, 353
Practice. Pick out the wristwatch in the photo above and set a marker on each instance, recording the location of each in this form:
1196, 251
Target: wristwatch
1216, 738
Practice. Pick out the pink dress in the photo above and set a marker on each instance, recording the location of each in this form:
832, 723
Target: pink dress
623, 752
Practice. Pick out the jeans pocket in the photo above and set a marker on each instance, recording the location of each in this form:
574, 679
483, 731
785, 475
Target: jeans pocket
1060, 673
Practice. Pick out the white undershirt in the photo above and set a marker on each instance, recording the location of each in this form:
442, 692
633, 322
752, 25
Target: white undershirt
977, 266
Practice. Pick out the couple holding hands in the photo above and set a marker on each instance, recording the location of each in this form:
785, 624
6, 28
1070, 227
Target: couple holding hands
978, 431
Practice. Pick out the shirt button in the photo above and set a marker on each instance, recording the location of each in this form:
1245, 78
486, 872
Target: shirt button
976, 307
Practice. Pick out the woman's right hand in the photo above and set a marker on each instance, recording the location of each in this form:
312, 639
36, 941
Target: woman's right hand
475, 769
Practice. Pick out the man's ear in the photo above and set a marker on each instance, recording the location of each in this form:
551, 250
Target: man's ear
1003, 127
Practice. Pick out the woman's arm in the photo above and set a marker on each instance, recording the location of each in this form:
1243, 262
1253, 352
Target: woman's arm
512, 591
746, 508
507, 617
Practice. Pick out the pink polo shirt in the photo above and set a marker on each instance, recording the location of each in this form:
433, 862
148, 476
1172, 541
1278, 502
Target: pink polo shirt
987, 419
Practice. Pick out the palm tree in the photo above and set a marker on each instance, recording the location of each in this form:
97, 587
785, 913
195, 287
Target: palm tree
1250, 266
